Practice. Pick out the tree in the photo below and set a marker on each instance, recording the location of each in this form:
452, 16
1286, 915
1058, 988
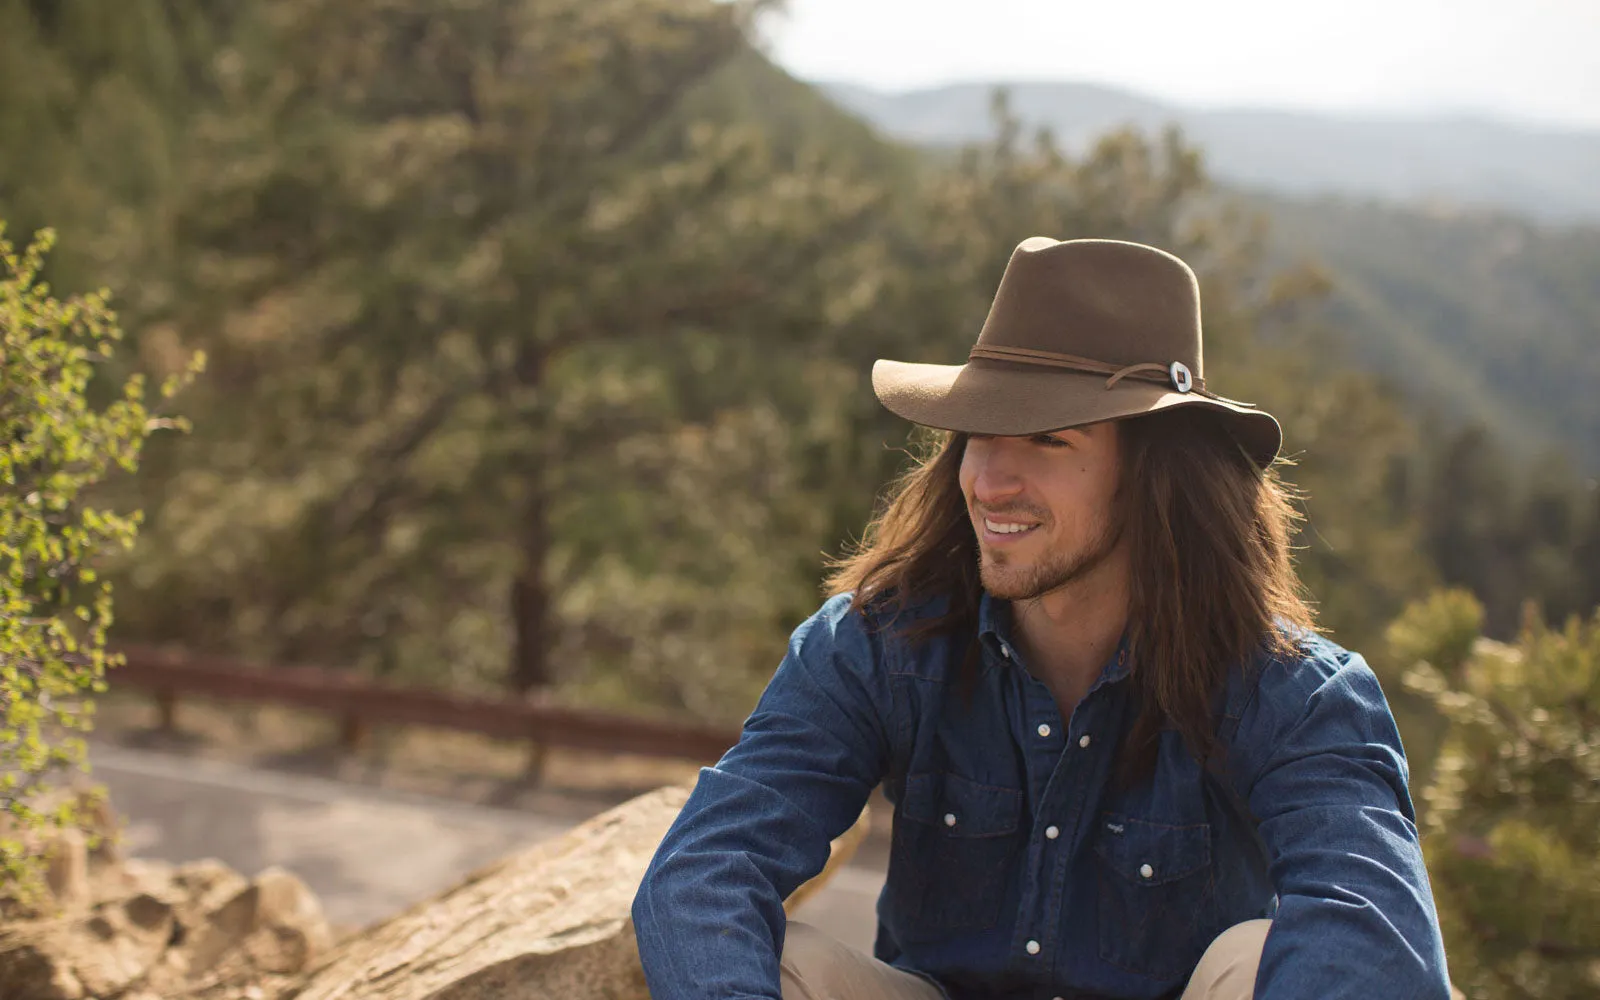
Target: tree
1513, 806
453, 257
55, 606
94, 98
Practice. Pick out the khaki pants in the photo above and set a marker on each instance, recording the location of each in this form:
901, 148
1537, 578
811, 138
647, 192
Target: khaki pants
816, 967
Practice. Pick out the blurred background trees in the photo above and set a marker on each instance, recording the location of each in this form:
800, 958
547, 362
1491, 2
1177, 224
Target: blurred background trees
539, 335
540, 330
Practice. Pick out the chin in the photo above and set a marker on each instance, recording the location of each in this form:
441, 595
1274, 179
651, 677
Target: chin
1006, 583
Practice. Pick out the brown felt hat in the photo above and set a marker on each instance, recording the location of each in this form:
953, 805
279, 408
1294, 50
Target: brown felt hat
1080, 331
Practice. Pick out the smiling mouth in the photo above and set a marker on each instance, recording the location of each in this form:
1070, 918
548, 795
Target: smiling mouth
1012, 528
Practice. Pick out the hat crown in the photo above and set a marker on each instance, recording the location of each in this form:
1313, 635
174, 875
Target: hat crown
1110, 301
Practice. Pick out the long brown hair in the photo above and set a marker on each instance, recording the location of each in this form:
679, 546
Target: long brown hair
1208, 535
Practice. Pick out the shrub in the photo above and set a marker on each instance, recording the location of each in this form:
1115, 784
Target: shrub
56, 445
1512, 818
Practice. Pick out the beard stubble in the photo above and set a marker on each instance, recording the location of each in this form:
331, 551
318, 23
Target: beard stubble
1053, 571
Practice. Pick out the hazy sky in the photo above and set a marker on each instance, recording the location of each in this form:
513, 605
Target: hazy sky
1527, 59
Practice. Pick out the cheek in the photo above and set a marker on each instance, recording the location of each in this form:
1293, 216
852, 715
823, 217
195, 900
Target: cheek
1082, 502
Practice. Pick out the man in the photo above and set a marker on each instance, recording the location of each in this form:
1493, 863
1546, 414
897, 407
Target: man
1073, 651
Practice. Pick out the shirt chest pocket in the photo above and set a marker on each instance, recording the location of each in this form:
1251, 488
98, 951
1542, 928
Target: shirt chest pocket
956, 844
1157, 894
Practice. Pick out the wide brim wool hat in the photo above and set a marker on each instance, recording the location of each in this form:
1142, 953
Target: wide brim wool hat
1080, 331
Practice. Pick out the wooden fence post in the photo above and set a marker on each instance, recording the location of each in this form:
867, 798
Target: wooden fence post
538, 754
167, 709
352, 732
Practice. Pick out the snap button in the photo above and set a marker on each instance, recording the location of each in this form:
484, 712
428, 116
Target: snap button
1033, 947
1005, 649
1181, 379
1052, 832
950, 820
1044, 729
1084, 741
1146, 871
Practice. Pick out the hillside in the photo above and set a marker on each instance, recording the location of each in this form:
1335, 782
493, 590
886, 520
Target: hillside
1545, 174
1481, 317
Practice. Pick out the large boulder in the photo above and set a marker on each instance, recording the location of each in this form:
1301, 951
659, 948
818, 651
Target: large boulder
549, 922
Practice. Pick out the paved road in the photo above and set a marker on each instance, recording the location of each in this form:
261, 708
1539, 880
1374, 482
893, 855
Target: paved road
366, 852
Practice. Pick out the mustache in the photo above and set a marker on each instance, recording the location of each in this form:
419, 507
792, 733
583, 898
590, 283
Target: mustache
1014, 509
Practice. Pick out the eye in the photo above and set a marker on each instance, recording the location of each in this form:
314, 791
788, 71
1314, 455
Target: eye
1049, 441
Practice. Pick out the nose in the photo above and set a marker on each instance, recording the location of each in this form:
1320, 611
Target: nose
995, 480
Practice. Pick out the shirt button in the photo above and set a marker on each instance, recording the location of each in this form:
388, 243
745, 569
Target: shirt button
950, 820
1006, 650
1044, 729
1033, 947
1084, 741
1052, 832
1146, 871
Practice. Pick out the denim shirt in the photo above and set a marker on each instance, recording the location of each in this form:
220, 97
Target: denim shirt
1019, 868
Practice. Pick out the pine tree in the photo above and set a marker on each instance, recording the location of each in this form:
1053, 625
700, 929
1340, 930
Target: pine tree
1512, 813
452, 257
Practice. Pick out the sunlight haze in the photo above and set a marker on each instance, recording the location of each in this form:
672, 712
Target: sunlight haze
1532, 60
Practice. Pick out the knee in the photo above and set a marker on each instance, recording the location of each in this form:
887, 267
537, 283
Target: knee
807, 963
1227, 970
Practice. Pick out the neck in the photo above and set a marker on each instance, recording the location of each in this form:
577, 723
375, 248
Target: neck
1067, 635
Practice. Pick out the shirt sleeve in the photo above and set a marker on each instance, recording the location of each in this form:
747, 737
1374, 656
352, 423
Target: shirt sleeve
709, 913
1328, 785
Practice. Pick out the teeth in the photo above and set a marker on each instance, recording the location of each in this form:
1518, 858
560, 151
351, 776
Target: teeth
1006, 527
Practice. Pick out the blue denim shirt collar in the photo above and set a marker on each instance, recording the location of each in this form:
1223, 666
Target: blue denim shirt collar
995, 629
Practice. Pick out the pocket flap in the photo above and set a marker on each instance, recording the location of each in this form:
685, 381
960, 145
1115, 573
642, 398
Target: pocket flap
963, 807
1149, 853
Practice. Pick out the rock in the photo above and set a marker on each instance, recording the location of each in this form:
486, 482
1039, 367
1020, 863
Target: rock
66, 873
97, 955
274, 924
550, 921
155, 932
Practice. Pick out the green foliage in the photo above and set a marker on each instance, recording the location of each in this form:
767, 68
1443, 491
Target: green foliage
1482, 317
1441, 630
1509, 534
55, 606
540, 332
1514, 808
471, 262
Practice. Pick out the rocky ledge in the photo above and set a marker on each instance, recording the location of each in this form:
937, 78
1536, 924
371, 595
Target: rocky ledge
549, 921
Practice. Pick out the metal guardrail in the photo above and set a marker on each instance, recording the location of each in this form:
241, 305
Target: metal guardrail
360, 702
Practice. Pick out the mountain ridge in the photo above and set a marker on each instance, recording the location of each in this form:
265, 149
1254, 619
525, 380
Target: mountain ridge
1545, 172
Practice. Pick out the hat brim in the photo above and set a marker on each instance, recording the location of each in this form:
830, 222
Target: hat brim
1014, 400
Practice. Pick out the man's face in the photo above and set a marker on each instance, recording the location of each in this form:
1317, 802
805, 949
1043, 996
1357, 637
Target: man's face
1043, 507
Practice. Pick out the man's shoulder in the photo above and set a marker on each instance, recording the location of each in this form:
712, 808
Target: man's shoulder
882, 629
1307, 665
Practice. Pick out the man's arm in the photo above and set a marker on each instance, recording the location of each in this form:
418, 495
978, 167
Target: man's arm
1327, 780
709, 913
